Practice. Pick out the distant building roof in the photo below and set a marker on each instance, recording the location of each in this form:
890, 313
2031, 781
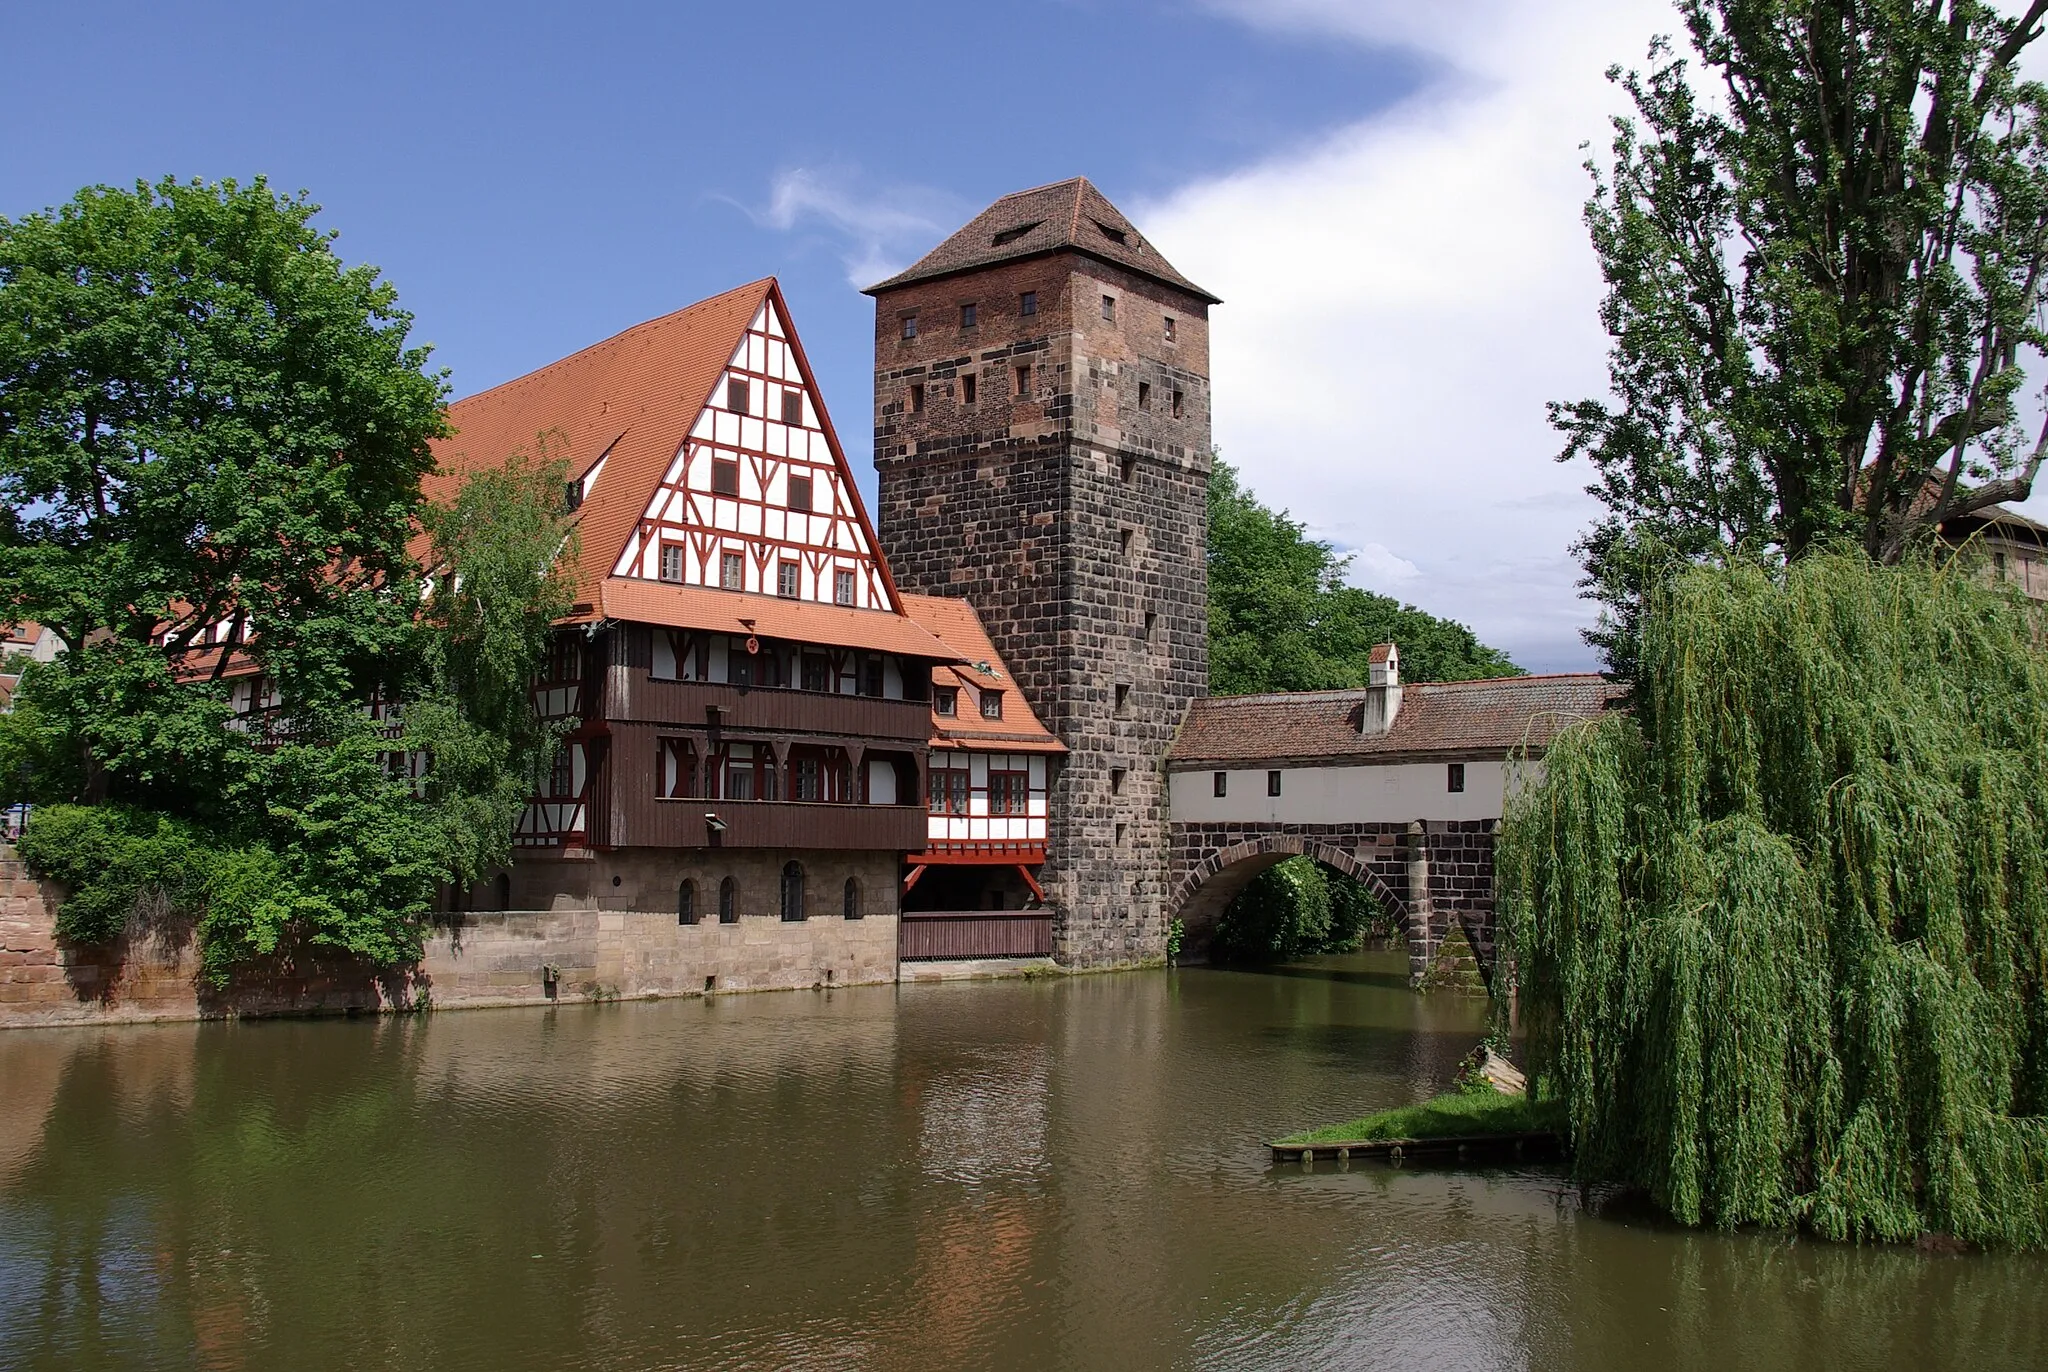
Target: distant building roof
956, 624
1437, 719
1069, 216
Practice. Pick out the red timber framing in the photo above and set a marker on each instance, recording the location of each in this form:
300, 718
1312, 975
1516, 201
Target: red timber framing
787, 497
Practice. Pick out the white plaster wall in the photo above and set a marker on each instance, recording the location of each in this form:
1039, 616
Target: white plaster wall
1340, 795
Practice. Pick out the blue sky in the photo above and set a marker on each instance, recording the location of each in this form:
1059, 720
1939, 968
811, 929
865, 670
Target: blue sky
534, 179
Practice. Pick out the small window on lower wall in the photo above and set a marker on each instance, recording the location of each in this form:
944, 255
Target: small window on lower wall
686, 902
1272, 783
1223, 783
792, 892
728, 902
852, 899
1456, 777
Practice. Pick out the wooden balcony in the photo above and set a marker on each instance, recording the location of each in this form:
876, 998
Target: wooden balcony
634, 696
938, 935
655, 822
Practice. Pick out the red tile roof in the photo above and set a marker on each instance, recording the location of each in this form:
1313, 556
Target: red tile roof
803, 621
1468, 719
1066, 216
1019, 730
630, 400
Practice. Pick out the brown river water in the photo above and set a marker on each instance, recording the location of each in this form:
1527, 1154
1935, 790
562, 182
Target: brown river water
1055, 1174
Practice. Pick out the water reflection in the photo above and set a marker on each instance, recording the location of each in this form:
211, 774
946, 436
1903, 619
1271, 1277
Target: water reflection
1062, 1174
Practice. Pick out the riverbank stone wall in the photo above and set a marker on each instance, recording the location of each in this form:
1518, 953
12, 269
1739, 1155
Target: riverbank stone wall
629, 943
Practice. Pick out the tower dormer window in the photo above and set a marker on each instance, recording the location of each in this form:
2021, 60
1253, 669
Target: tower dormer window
1114, 235
1011, 235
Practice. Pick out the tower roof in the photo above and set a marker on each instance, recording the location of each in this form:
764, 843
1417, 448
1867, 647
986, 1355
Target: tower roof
1067, 216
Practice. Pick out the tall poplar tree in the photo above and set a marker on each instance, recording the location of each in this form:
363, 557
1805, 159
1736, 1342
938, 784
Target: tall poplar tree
1824, 249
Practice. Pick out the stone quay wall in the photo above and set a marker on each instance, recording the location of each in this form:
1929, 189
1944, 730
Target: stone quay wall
512, 957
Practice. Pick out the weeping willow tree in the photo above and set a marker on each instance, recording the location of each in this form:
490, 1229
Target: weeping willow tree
1779, 934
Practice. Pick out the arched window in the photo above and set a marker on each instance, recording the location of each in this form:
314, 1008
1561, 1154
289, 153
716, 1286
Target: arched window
728, 902
852, 898
792, 891
686, 902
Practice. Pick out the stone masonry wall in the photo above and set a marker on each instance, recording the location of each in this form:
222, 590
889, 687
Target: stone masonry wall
626, 944
1075, 519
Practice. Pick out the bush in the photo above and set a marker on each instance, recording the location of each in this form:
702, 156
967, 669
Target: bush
109, 859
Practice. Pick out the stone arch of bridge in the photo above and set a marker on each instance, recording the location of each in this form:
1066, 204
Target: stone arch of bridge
1202, 896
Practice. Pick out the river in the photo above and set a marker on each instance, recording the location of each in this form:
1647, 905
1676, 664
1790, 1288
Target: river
1051, 1174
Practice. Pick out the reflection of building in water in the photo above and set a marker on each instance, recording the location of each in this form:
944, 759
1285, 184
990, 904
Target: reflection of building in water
987, 1121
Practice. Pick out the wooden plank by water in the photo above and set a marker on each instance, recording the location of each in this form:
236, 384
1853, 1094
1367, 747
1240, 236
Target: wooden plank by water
1530, 1144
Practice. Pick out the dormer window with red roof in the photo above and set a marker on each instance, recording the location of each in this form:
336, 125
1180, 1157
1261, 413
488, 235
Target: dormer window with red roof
991, 704
946, 700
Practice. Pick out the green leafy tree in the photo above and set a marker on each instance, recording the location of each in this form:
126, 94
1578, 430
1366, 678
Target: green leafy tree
1779, 935
1282, 619
1824, 258
207, 420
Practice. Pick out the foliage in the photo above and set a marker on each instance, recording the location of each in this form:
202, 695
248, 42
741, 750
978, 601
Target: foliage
1296, 908
1779, 937
1824, 257
1282, 619
1176, 935
109, 859
207, 420
1456, 1114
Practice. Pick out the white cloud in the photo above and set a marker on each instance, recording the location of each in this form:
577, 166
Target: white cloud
878, 230
1402, 299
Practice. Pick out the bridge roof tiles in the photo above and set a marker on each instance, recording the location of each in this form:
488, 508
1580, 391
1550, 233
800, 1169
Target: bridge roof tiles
1450, 719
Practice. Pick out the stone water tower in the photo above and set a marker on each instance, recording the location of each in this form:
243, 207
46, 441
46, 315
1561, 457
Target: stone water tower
1042, 444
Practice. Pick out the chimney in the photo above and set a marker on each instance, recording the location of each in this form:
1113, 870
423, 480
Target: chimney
1382, 691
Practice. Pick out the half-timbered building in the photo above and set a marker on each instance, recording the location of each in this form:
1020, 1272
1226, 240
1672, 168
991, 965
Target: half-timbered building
751, 702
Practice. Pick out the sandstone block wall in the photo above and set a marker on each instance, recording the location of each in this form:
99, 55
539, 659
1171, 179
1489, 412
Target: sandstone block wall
625, 943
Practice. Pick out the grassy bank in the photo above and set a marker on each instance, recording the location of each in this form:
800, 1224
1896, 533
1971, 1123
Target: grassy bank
1453, 1115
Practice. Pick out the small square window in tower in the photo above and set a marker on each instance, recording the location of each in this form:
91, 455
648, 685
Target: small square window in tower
917, 398
967, 388
1116, 781
792, 407
1169, 328
1124, 538
1123, 699
946, 701
786, 579
671, 562
1024, 381
1120, 829
967, 316
1455, 780
842, 588
910, 326
1272, 783
736, 397
1127, 469
1221, 782
1179, 408
732, 572
991, 704
1144, 395
1027, 303
800, 494
1109, 308
725, 476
